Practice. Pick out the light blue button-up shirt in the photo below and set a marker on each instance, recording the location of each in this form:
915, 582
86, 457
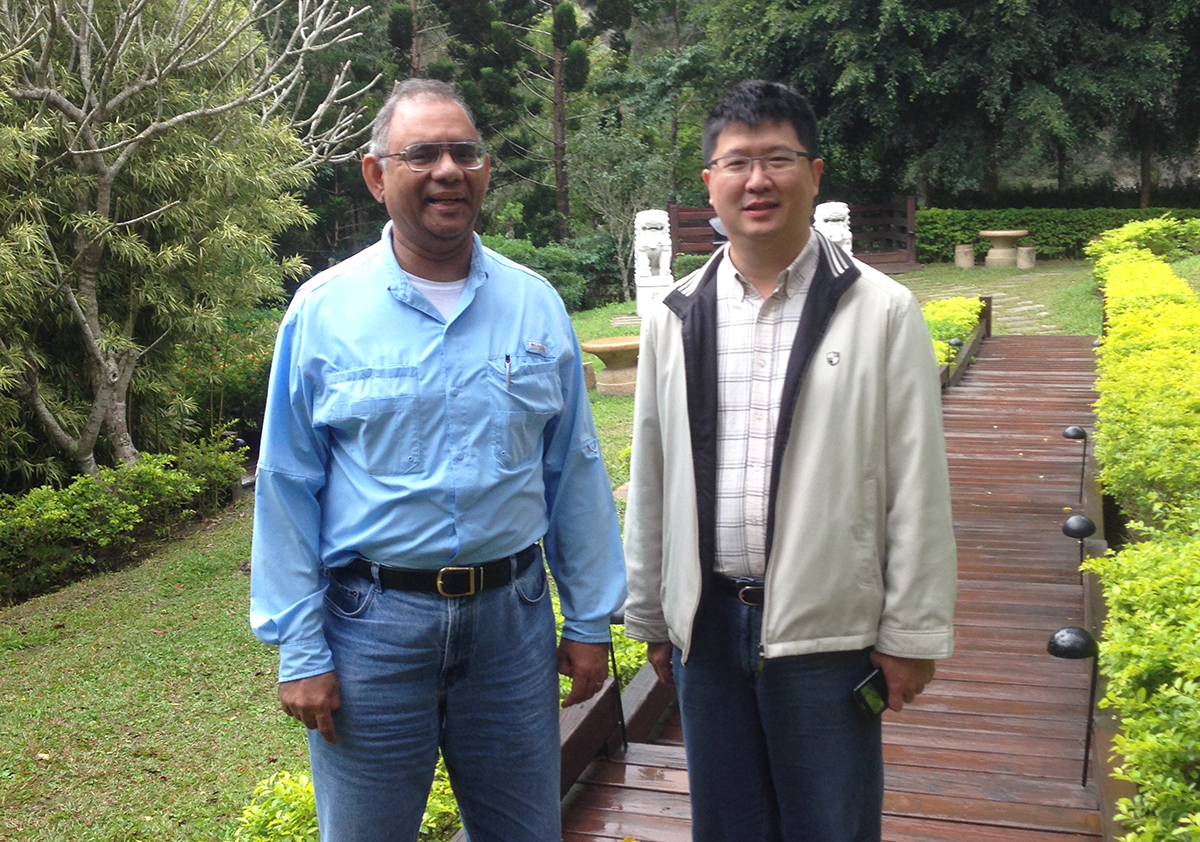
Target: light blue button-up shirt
395, 435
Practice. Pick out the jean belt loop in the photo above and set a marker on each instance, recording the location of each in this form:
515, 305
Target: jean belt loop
375, 576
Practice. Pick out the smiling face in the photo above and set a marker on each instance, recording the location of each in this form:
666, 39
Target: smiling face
433, 212
761, 210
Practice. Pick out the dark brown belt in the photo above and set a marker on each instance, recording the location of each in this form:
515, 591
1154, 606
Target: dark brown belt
450, 582
750, 591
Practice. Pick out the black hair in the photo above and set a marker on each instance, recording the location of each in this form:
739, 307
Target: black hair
755, 102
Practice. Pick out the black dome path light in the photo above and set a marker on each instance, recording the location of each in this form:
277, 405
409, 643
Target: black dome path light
1077, 433
1079, 527
1074, 643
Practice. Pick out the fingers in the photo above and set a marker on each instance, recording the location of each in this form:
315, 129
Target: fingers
660, 657
312, 702
906, 677
587, 666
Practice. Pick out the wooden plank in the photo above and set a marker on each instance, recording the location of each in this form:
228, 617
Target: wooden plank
906, 829
992, 751
998, 813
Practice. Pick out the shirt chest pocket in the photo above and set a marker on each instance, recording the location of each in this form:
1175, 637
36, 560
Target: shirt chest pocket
369, 413
526, 396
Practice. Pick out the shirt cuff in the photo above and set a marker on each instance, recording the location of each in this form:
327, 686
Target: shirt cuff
304, 659
587, 632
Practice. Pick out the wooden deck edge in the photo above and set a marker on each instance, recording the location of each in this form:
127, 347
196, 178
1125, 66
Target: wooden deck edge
1107, 724
645, 700
586, 728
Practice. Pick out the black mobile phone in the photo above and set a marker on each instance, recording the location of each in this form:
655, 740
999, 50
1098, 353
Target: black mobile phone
871, 694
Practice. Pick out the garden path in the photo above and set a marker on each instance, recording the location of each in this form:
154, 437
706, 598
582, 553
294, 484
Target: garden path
992, 751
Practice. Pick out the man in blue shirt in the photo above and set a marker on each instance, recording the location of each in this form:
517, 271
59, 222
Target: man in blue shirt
427, 424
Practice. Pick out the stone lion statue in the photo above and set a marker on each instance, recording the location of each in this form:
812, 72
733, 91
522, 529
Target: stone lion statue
833, 220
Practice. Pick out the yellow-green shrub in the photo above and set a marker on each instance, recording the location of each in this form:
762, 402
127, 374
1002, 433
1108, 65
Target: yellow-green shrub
1147, 438
1151, 657
950, 318
1165, 237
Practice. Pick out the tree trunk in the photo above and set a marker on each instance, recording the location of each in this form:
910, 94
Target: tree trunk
416, 51
990, 185
1147, 143
562, 193
1060, 155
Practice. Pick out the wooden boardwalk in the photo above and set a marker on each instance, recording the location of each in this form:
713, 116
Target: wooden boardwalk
992, 751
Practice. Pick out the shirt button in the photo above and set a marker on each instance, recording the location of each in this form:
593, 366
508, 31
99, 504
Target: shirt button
762, 363
454, 392
458, 458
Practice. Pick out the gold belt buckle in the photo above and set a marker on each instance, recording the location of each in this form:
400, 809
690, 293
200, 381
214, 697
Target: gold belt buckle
470, 571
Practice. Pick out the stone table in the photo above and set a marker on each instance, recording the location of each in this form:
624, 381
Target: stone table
1004, 247
619, 355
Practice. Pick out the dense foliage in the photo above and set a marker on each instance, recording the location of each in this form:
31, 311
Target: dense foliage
153, 152
52, 536
1147, 435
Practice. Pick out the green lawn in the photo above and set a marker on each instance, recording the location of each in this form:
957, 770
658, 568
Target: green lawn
1057, 297
138, 706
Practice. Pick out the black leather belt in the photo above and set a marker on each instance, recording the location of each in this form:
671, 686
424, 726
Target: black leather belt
450, 582
750, 591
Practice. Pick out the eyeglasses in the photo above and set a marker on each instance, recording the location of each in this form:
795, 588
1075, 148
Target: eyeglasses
780, 160
425, 156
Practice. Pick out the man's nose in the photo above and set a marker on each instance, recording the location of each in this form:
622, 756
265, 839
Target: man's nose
757, 178
445, 167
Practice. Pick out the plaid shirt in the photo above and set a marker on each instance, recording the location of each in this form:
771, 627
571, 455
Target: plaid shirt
754, 340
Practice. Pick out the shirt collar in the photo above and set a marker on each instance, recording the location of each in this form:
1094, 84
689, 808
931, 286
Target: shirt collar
796, 278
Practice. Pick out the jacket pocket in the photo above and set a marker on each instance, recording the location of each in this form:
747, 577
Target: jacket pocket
369, 413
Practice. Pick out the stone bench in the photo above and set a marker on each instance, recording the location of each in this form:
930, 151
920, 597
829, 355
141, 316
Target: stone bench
619, 355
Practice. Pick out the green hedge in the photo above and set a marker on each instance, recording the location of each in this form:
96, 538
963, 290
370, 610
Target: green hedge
1054, 232
1147, 439
52, 536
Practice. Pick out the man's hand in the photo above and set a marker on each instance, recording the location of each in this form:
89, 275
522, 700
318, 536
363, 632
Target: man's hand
586, 664
659, 655
906, 677
312, 700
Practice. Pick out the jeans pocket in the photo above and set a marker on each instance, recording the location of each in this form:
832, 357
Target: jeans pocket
532, 586
348, 595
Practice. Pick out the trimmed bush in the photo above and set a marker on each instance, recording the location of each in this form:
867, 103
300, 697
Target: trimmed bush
686, 264
1055, 232
1151, 657
52, 536
950, 318
1147, 437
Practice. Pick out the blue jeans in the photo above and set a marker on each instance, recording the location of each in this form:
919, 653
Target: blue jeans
777, 753
473, 676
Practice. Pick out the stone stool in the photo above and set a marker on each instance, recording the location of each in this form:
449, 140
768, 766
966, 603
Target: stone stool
619, 355
1004, 247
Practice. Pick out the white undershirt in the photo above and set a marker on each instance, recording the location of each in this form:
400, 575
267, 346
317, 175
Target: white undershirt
443, 295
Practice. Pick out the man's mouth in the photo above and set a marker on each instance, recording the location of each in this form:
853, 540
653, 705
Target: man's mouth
445, 201
758, 207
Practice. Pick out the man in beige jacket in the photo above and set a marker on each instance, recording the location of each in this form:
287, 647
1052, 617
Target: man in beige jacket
788, 525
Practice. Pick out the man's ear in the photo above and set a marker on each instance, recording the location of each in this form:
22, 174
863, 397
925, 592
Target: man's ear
372, 171
705, 174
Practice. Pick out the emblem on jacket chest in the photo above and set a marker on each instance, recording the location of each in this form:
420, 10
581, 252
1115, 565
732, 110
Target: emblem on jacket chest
833, 358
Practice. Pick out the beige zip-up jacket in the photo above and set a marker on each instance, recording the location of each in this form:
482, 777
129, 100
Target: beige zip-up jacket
860, 544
